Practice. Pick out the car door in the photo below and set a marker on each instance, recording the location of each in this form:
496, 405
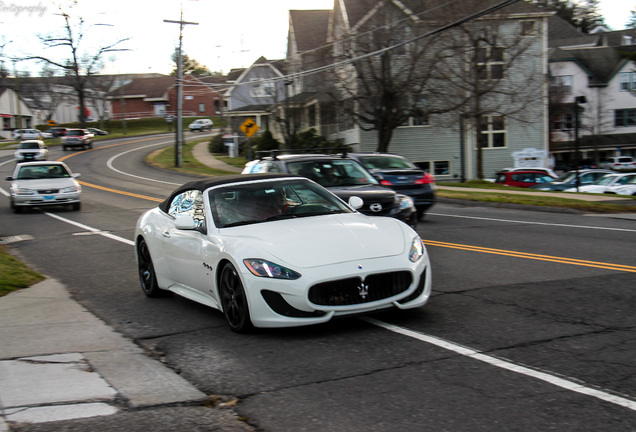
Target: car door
183, 248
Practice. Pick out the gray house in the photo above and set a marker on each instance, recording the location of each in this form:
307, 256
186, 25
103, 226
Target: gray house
254, 94
462, 102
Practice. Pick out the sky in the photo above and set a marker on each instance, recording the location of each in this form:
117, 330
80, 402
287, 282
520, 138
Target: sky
229, 33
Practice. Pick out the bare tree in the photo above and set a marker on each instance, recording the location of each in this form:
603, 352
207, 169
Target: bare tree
79, 66
490, 71
383, 81
43, 93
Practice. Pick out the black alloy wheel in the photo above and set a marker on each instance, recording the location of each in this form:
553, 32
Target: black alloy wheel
234, 300
147, 275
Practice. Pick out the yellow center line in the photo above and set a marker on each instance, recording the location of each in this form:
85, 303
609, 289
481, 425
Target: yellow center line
121, 192
63, 158
117, 191
608, 266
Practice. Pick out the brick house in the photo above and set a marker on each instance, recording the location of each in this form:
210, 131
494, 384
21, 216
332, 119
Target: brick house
157, 96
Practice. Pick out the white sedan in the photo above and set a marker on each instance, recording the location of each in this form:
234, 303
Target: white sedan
277, 250
606, 183
35, 184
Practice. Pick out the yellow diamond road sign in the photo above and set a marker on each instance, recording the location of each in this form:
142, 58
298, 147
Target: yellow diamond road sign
249, 127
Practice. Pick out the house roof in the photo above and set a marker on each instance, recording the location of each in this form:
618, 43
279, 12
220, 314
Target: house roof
356, 10
153, 88
310, 28
600, 63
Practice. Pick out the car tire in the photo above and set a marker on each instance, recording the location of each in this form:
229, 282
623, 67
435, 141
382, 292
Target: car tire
234, 300
76, 206
146, 269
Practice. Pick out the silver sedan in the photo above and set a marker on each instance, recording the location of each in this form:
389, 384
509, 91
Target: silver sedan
43, 183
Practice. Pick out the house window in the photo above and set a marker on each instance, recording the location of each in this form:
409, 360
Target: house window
625, 117
490, 63
563, 122
628, 81
420, 112
201, 107
261, 88
311, 115
492, 131
528, 28
437, 168
564, 83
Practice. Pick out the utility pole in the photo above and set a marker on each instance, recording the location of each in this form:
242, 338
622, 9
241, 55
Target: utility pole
179, 137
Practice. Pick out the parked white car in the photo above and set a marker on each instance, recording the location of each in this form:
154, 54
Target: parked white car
605, 182
27, 134
619, 163
628, 188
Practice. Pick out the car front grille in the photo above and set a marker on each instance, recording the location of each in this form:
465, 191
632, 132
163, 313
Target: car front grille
352, 291
378, 208
48, 191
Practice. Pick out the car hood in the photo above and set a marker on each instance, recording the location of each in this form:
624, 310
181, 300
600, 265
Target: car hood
20, 151
323, 240
50, 183
366, 192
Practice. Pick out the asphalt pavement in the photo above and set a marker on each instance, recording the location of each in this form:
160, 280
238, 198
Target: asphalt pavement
61, 365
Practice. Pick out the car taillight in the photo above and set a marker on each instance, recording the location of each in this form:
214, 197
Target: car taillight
427, 179
386, 183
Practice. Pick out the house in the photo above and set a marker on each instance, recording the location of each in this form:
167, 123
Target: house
386, 63
254, 93
14, 112
601, 76
157, 96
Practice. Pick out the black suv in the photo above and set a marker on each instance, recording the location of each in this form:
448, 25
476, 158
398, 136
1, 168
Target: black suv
344, 177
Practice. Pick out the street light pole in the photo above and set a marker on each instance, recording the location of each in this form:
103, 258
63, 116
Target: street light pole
179, 137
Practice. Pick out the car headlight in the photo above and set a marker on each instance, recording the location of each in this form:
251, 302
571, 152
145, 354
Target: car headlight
70, 189
405, 202
23, 191
417, 249
268, 269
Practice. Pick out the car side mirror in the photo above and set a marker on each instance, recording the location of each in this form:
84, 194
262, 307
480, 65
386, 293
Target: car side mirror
9, 178
356, 202
185, 222
76, 175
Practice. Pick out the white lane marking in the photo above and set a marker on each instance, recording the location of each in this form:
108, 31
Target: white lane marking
571, 385
533, 223
112, 159
91, 229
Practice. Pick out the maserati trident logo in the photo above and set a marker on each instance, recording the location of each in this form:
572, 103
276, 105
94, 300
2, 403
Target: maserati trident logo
363, 290
375, 207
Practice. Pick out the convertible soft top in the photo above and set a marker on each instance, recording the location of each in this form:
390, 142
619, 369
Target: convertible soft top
216, 181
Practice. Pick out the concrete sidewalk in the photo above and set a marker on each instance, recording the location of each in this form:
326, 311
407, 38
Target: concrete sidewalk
59, 362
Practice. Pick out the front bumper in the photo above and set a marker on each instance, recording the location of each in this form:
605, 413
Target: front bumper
286, 303
41, 199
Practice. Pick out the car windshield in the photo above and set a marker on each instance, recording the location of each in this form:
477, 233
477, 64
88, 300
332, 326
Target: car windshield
334, 172
566, 177
385, 162
605, 180
29, 146
42, 172
75, 133
250, 203
628, 179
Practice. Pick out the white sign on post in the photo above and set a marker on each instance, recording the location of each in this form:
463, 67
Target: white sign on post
530, 158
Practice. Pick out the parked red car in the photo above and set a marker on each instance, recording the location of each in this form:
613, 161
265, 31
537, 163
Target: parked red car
523, 179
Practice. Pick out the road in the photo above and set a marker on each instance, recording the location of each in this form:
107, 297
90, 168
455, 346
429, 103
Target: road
531, 325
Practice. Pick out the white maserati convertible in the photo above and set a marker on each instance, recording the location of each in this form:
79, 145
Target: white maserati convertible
276, 250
